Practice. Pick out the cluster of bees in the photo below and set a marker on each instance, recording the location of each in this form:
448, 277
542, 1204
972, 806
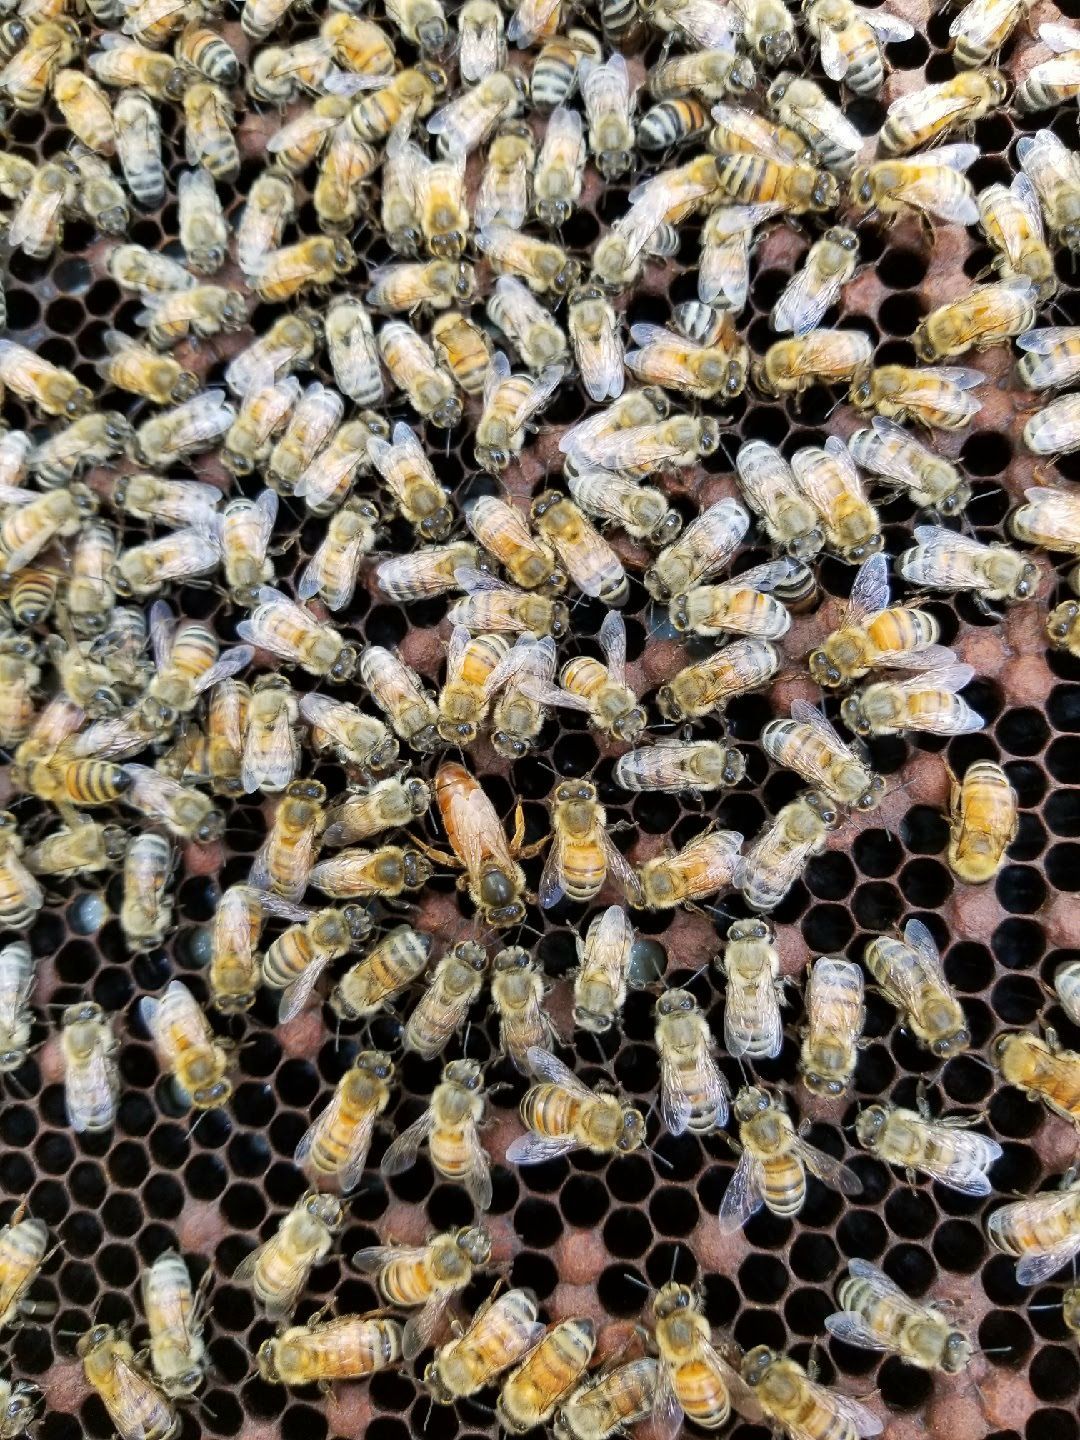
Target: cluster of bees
429, 130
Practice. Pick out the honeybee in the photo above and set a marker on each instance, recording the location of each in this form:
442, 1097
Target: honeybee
835, 1018
1067, 987
337, 1143
887, 450
560, 168
944, 1149
33, 594
449, 1125
522, 681
758, 179
1051, 358
502, 531
1051, 82
21, 897
694, 1380
327, 481
454, 984
829, 265
562, 1114
587, 557
609, 108
186, 1047
711, 74
494, 879
809, 745
802, 106
424, 573
150, 274
780, 852
517, 994
18, 680
678, 766
37, 226
1054, 430
982, 28
237, 925
741, 606
503, 197
181, 555
546, 1377
491, 605
910, 973
138, 145
15, 448
933, 395
317, 260
279, 1269
264, 411
247, 525
350, 1347
707, 371
270, 206
799, 1405
596, 343
23, 1242
84, 845
49, 388
701, 868
123, 64
364, 874
204, 231
271, 747
600, 689
93, 439
829, 479
555, 71
1011, 219
280, 72
705, 546
354, 356
543, 266
468, 120
313, 421
751, 964
86, 110
851, 41
610, 1403
333, 570
945, 560
435, 283
872, 635
146, 911
699, 689
136, 1407
91, 1075
989, 315
984, 822
399, 694
582, 854
463, 701
672, 123
284, 863
510, 402
202, 49
875, 1314
601, 979
500, 1333
934, 186
693, 1092
178, 503
174, 1316
101, 197
530, 328
817, 357
641, 510
1043, 1069
405, 96
389, 804
140, 371
1042, 1231
29, 73
201, 311
387, 969
773, 1166
463, 348
413, 369
292, 632
481, 45
410, 477
428, 1275
917, 120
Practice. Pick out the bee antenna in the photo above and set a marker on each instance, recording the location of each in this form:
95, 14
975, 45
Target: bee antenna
674, 1262
633, 1279
1033, 1309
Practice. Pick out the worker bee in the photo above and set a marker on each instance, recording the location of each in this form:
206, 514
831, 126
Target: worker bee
469, 119
449, 1125
136, 1407
851, 41
328, 480
872, 635
503, 1330
271, 747
829, 265
333, 570
149, 274
704, 371
875, 1314
562, 1114
701, 868
202, 49
694, 1379
751, 965
30, 71
641, 510
1049, 83
140, 371
481, 43
436, 283
387, 969
491, 605
611, 1403
522, 683
510, 402
705, 546
1054, 430
204, 231
138, 145
19, 677
945, 1149
1067, 987
264, 410
338, 1142
780, 852
1042, 1231
313, 421
911, 976
549, 1373
560, 168
774, 1163
1043, 1069
181, 555
601, 979
555, 70
86, 109
413, 369
83, 845
945, 560
146, 911
424, 573
23, 1242
933, 395
234, 965
290, 631
693, 1091
699, 689
517, 993
428, 1275
408, 474
93, 439
1051, 358
175, 503
318, 260
494, 879
679, 766
530, 328
367, 874
397, 691
587, 557
125, 64
209, 140
1050, 518
934, 185
600, 689
582, 854
269, 207
798, 1405
982, 28
502, 531
442, 212
100, 197
49, 388
984, 822
829, 479
887, 450
198, 1064
463, 348
279, 1269
989, 315
767, 29
174, 1315
37, 226
354, 356
916, 120
609, 106
463, 700
15, 448
389, 804
454, 984
672, 123
543, 266
782, 185
33, 594
802, 106
741, 606
357, 739
21, 898
809, 745
595, 339
1011, 219
284, 863
503, 197
817, 357
91, 1076
350, 1347
201, 312
835, 1018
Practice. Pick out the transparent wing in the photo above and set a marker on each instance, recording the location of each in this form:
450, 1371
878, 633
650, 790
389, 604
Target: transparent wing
852, 1329
805, 300
832, 1172
834, 60
326, 1120
743, 1196
889, 28
929, 107
1034, 1269
675, 1106
374, 1258
535, 1149
920, 939
1046, 340
420, 1329
83, 1088
620, 872
551, 888
296, 995
667, 1413
351, 1173
612, 639
970, 1156
546, 1066
1060, 38
478, 1175
869, 590
225, 667
404, 1150
752, 1019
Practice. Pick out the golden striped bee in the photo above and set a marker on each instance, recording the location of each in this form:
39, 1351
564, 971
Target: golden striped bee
428, 1275
337, 1143
851, 41
562, 1114
449, 1125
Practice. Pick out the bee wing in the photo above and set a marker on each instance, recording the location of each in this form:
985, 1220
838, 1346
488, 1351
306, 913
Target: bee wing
612, 639
295, 996
246, 1269
303, 127
551, 888
373, 1258
272, 761
404, 1150
928, 106
455, 651
1060, 38
1045, 340
497, 371
84, 1086
162, 630
605, 88
351, 1173
33, 217
834, 59
478, 1176
852, 1329
724, 268
972, 1156
675, 1103
536, 1149
807, 714
601, 362
922, 187
869, 590
420, 1329
767, 577
827, 124
864, 1422
326, 1119
979, 20
131, 1391
752, 1014
542, 388
620, 872
888, 28
227, 665
833, 1172
1056, 507
743, 1196
543, 1065
667, 1413
805, 300
1034, 1269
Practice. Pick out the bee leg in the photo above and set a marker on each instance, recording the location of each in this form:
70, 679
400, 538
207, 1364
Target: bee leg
922, 1103
434, 854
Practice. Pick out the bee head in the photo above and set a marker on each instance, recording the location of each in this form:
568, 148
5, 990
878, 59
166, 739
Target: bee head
1027, 583
956, 1352
417, 870
560, 620
775, 46
344, 666
756, 1363
206, 1097
924, 346
674, 1002
211, 828
475, 1242
94, 1338
633, 1131
952, 1044
870, 1123
861, 187
870, 799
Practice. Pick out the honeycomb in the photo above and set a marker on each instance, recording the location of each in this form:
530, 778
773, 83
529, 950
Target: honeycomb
587, 1235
